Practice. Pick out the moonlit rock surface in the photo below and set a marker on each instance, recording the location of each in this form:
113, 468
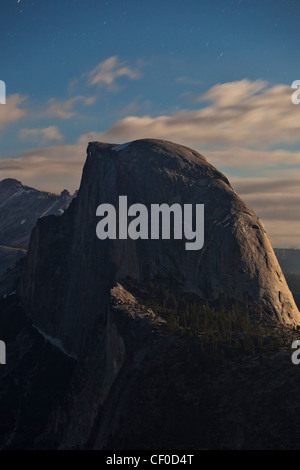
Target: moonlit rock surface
69, 272
118, 148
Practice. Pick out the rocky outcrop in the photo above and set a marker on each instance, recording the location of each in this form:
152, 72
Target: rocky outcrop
131, 382
141, 387
9, 256
21, 206
69, 271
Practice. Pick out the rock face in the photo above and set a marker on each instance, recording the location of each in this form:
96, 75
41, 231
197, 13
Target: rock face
67, 264
9, 256
126, 381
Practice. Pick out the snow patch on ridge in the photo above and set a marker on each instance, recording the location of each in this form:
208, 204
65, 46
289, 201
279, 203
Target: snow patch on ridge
118, 148
49, 209
55, 342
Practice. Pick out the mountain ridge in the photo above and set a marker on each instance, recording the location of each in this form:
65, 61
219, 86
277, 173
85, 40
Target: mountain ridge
145, 332
237, 259
20, 207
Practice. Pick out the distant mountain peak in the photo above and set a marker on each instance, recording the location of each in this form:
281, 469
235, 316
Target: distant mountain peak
10, 182
20, 207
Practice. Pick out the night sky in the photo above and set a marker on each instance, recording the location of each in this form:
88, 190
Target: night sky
213, 75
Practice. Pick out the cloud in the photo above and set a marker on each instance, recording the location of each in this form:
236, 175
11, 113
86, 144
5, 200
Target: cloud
52, 168
64, 109
11, 111
247, 160
232, 93
47, 134
282, 233
272, 198
253, 186
108, 71
241, 113
277, 202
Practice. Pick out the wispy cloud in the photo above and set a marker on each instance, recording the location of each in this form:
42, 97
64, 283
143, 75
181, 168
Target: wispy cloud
65, 109
46, 134
52, 168
242, 113
231, 94
276, 201
108, 71
247, 160
12, 111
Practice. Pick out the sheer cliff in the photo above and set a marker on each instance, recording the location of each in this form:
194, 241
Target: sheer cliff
68, 270
149, 341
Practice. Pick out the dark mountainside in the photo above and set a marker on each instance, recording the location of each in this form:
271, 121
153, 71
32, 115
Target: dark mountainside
20, 207
123, 344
